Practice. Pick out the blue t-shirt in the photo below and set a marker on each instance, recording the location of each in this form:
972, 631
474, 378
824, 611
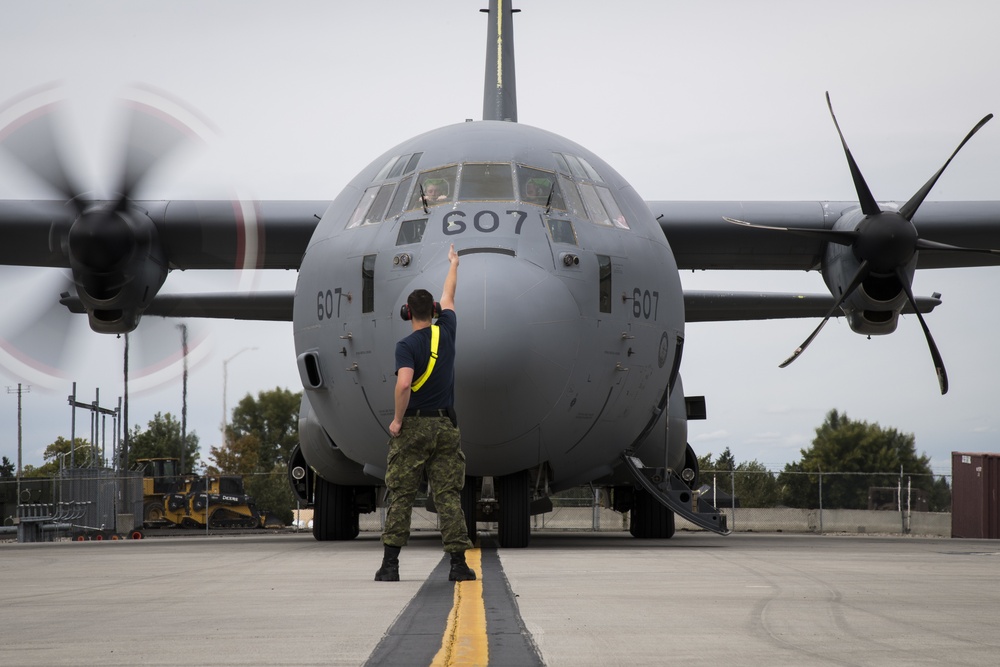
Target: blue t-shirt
414, 352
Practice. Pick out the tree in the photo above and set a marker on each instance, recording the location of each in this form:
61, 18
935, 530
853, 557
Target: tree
273, 417
238, 458
7, 470
259, 442
940, 499
272, 492
162, 439
858, 450
56, 456
754, 485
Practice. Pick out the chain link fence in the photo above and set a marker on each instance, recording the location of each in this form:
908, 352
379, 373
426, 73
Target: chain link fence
96, 501
753, 501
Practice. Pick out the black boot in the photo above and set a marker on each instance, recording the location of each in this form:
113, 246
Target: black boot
460, 571
390, 565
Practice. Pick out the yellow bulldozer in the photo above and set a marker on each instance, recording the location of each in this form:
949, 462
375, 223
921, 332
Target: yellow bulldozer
190, 501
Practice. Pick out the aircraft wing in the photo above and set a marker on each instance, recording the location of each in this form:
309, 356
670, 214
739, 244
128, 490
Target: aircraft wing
699, 305
702, 239
193, 234
268, 306
721, 306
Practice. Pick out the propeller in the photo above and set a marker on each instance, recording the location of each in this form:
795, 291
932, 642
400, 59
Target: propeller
109, 243
100, 236
884, 242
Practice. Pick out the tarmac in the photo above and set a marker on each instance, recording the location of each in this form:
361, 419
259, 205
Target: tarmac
568, 599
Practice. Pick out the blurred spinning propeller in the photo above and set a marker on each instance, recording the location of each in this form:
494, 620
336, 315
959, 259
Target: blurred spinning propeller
109, 244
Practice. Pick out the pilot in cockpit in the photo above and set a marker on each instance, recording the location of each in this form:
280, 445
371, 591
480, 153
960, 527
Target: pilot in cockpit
536, 190
435, 190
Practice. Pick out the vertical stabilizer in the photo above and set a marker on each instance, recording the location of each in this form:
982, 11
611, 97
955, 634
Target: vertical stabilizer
499, 90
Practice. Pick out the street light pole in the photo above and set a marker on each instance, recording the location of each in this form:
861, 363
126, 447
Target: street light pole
225, 382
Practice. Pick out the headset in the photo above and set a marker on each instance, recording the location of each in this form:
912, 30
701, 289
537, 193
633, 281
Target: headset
406, 315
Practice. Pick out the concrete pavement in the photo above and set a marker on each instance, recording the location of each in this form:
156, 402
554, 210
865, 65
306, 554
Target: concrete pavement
584, 599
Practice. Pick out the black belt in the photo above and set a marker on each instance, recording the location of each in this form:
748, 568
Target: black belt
443, 412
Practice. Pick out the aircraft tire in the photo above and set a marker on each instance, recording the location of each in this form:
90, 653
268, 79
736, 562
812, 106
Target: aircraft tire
514, 520
650, 520
334, 515
469, 507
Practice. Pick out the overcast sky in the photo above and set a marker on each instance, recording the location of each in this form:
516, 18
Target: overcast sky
709, 100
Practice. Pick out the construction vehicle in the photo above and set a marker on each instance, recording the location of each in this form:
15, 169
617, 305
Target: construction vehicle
160, 477
190, 501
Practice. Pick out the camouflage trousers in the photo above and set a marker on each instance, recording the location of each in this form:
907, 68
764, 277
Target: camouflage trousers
432, 445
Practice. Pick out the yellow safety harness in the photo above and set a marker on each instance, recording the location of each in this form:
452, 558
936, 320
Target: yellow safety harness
435, 337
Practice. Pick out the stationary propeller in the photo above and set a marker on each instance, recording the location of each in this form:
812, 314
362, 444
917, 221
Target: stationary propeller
885, 244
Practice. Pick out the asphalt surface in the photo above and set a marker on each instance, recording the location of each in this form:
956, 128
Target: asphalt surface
568, 599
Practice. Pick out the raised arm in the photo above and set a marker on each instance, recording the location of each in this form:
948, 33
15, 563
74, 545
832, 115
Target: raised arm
450, 281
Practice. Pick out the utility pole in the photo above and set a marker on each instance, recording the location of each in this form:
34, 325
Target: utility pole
19, 391
184, 392
124, 451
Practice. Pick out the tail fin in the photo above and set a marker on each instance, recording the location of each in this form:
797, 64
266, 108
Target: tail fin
499, 89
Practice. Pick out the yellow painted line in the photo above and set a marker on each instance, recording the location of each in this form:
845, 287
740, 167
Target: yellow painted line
464, 641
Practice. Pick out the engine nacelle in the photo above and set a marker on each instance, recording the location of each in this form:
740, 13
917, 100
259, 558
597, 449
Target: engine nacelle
118, 265
873, 308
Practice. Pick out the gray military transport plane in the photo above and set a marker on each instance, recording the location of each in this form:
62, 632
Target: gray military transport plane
570, 307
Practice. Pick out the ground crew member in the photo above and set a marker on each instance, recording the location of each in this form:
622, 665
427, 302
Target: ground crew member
424, 430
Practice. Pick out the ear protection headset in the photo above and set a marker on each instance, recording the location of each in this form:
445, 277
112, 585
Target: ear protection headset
404, 311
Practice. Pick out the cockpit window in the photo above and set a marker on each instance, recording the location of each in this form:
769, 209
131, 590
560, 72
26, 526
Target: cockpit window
399, 199
591, 172
595, 209
561, 163
397, 169
375, 203
575, 167
611, 206
586, 194
539, 187
562, 231
399, 165
384, 171
436, 185
377, 209
486, 182
573, 202
411, 164
362, 208
411, 231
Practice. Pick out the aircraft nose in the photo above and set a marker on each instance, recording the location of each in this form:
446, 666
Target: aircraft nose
519, 335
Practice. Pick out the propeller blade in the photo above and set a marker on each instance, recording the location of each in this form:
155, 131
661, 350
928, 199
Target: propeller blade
908, 209
840, 237
859, 277
939, 368
151, 137
43, 337
865, 198
35, 146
